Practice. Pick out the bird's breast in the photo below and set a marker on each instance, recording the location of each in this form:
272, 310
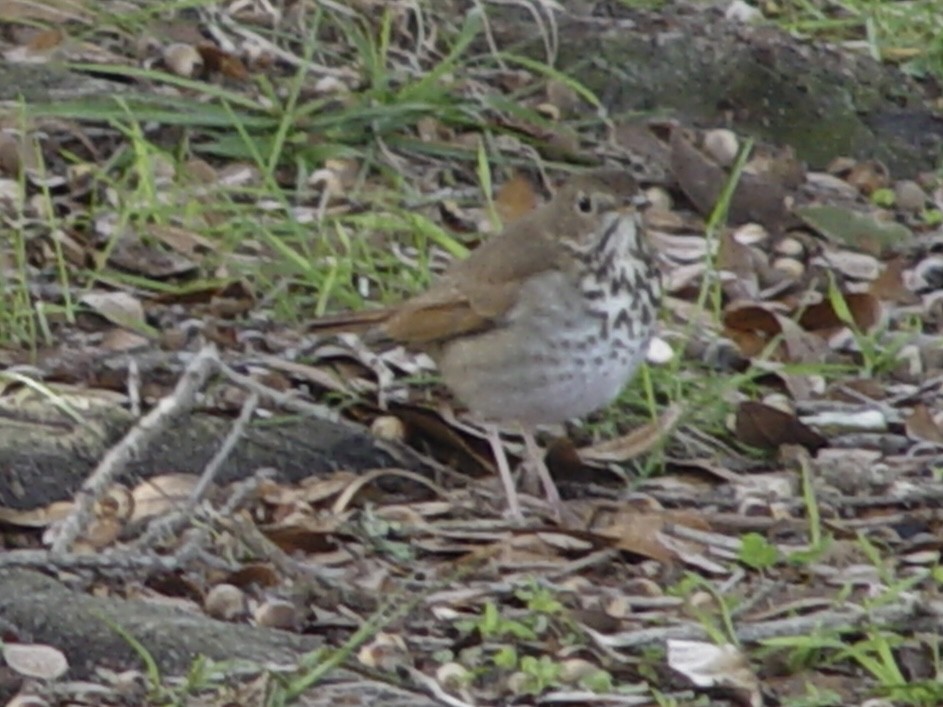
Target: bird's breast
557, 354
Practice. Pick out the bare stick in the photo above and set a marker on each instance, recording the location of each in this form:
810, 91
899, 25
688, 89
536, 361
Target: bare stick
169, 524
132, 445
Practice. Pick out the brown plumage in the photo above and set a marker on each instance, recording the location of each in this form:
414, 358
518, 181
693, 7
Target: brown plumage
543, 322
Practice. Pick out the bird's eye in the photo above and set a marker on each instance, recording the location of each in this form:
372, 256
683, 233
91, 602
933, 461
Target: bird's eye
584, 204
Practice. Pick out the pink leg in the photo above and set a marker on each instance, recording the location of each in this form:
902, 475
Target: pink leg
504, 469
536, 456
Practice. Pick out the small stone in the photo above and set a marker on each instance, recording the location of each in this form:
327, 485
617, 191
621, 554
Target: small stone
750, 234
452, 676
183, 59
277, 613
790, 245
790, 266
659, 198
388, 427
722, 145
868, 176
740, 11
909, 195
781, 402
225, 602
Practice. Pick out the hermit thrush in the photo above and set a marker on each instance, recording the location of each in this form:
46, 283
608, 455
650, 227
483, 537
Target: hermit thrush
545, 322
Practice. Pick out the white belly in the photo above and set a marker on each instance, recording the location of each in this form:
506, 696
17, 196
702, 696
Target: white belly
548, 362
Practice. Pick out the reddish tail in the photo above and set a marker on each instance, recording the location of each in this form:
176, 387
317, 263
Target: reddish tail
356, 322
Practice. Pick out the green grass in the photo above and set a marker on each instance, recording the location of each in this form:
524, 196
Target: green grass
285, 136
282, 130
910, 32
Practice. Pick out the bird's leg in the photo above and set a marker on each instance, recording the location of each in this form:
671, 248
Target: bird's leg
504, 469
536, 456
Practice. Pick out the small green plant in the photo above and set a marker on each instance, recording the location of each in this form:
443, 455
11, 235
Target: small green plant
719, 624
757, 552
815, 697
876, 652
506, 658
883, 197
491, 624
544, 613
540, 673
819, 542
540, 599
932, 217
877, 354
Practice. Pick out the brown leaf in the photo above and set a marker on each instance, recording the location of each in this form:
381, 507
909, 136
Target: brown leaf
515, 198
765, 427
921, 425
638, 533
758, 198
295, 538
133, 254
738, 259
889, 285
640, 140
636, 443
259, 574
119, 308
865, 312
752, 326
222, 62
161, 494
868, 176
182, 240
46, 40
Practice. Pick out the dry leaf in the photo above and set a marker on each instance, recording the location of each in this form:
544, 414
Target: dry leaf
36, 517
765, 427
858, 266
161, 494
639, 441
709, 665
386, 652
117, 307
515, 198
861, 231
868, 176
123, 340
258, 574
295, 538
134, 255
866, 313
641, 531
889, 285
753, 326
921, 425
758, 198
222, 62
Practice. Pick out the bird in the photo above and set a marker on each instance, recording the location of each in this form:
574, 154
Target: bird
542, 323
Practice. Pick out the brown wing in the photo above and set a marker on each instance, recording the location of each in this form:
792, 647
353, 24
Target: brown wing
350, 321
477, 291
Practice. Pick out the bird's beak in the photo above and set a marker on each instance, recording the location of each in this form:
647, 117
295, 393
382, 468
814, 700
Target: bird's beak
633, 204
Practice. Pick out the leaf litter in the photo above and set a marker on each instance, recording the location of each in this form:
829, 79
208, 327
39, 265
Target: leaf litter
802, 404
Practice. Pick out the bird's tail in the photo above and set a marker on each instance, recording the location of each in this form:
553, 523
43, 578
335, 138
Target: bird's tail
367, 321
